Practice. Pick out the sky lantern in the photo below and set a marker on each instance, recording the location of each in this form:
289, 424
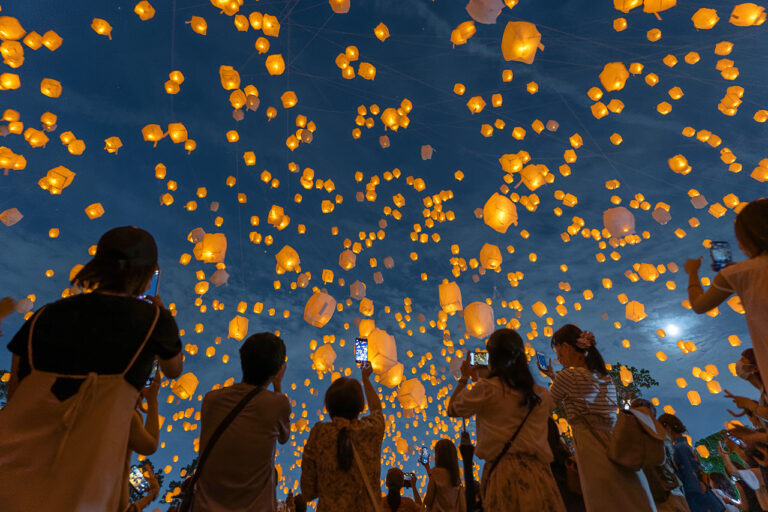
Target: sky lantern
50, 87
52, 40
287, 259
230, 78
324, 358
152, 133
94, 211
619, 221
490, 256
198, 25
56, 180
450, 297
339, 6
705, 19
112, 144
9, 81
747, 15
679, 164
412, 394
289, 99
635, 311
185, 386
238, 328
366, 307
102, 27
275, 64
10, 216
357, 290
520, 41
626, 5
144, 10
614, 76
270, 26
11, 29
177, 132
499, 213
485, 11
212, 248
462, 33
347, 259
656, 6
319, 309
534, 176
366, 70
478, 319
382, 351
381, 32
392, 377
12, 53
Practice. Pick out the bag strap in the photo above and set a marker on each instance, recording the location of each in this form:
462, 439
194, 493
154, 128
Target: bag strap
376, 501
509, 443
220, 430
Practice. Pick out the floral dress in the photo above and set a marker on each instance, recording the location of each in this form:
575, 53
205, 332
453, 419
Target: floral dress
321, 478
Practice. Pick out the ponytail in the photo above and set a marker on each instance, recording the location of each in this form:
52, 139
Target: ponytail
344, 453
393, 499
575, 337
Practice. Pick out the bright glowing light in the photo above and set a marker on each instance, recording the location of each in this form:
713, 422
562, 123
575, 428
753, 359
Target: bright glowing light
672, 330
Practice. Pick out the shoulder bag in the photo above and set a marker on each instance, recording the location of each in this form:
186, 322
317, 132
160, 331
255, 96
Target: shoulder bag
375, 500
188, 487
506, 447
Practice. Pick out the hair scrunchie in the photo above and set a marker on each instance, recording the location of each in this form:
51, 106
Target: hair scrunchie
586, 340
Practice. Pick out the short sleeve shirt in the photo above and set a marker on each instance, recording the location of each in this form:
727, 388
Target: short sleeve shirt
338, 490
96, 332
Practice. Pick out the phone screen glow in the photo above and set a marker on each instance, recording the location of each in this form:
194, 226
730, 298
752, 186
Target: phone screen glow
361, 350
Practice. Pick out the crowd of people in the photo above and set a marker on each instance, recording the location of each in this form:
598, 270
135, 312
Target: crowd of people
78, 408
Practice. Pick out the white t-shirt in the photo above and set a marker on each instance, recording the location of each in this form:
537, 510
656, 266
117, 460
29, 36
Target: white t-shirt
749, 279
499, 413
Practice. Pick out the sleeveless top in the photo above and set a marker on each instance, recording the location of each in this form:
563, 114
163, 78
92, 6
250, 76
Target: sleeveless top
66, 455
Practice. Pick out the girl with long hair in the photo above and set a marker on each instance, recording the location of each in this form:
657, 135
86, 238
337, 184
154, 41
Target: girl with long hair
586, 390
444, 490
512, 414
393, 501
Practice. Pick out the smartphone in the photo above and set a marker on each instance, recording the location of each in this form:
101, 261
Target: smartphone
361, 350
407, 477
737, 441
721, 255
542, 360
137, 480
424, 457
478, 358
153, 284
152, 373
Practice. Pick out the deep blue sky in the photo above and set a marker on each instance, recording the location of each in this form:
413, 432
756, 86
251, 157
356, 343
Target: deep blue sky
114, 88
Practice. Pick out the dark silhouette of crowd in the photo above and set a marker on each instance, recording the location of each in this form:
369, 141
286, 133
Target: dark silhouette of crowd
79, 408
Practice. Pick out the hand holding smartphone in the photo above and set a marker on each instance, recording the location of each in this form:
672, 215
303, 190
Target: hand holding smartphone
138, 481
478, 358
720, 252
152, 290
424, 457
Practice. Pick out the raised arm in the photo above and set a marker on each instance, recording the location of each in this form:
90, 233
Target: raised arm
702, 301
374, 402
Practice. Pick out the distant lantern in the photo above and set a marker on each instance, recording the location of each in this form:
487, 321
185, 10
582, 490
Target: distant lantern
287, 259
230, 78
50, 87
614, 76
450, 297
462, 33
382, 351
392, 377
490, 256
319, 309
478, 319
635, 311
485, 11
381, 32
339, 6
184, 387
747, 15
520, 41
357, 290
11, 29
705, 19
275, 64
144, 10
212, 248
499, 213
679, 164
94, 211
347, 260
102, 27
412, 395
619, 221
238, 328
324, 358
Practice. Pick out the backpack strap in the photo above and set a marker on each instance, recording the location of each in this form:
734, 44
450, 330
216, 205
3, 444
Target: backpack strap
508, 444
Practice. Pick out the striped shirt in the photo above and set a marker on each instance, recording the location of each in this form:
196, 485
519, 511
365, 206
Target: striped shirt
585, 393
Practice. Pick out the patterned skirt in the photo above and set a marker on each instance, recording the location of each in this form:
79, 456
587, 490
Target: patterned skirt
521, 483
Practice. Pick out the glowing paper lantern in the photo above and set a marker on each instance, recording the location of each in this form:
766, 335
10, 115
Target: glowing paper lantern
705, 19
198, 25
144, 10
324, 358
614, 76
366, 327
275, 64
635, 311
287, 259
478, 319
534, 176
339, 6
450, 297
412, 395
212, 248
56, 180
94, 211
392, 377
381, 32
184, 387
747, 15
238, 328
319, 309
490, 256
50, 87
462, 33
357, 290
347, 260
382, 351
656, 6
520, 41
366, 307
10, 29
499, 213
230, 78
619, 221
485, 11
102, 27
